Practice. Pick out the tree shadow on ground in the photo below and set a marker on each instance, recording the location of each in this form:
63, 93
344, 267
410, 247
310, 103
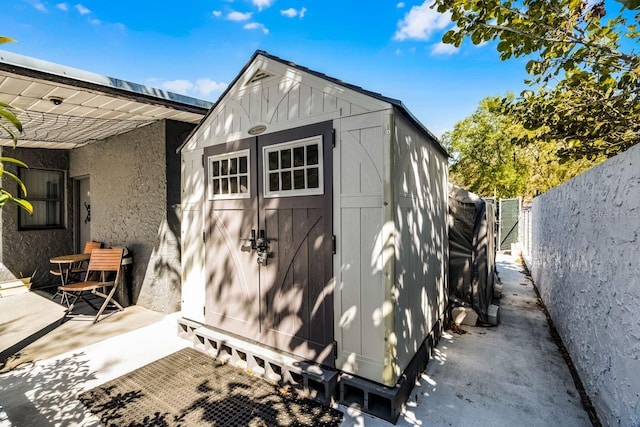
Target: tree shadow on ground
189, 388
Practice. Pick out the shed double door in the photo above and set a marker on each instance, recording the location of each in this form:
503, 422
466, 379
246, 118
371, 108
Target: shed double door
277, 186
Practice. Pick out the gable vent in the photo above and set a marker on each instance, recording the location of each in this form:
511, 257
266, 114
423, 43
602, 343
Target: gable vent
258, 75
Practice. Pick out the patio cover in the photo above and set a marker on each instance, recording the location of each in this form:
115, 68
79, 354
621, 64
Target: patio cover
62, 107
472, 267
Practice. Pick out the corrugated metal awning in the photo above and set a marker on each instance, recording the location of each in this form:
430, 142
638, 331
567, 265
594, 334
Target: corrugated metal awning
62, 107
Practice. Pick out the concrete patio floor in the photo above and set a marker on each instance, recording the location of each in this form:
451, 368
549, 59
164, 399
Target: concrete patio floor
512, 374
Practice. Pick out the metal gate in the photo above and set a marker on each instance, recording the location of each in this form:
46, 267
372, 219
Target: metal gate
509, 212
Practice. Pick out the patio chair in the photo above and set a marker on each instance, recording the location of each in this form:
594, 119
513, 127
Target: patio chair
81, 267
102, 261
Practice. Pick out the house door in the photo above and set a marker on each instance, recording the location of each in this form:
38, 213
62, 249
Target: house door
269, 240
83, 209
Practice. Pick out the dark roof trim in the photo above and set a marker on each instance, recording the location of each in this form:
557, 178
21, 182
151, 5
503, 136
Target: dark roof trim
395, 102
48, 71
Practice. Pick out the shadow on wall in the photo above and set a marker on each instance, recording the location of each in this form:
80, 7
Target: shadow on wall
161, 286
421, 212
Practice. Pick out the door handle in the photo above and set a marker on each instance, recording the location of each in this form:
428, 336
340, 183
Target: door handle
262, 248
251, 239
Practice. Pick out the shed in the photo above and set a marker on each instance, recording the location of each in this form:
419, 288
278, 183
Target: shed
315, 225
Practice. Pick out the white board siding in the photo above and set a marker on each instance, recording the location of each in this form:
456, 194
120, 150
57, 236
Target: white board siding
359, 172
420, 172
192, 226
290, 99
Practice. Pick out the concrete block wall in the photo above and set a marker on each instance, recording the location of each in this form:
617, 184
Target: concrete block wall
585, 261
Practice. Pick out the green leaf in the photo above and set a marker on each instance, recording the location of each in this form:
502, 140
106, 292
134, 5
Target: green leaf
11, 118
12, 160
18, 181
23, 204
630, 4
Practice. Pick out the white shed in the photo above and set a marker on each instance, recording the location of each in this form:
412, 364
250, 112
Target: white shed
314, 224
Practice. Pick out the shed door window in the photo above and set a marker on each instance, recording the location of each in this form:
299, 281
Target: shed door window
294, 168
229, 176
47, 195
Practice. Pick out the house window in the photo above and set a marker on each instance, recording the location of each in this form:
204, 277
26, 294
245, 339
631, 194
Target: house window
46, 192
294, 168
229, 176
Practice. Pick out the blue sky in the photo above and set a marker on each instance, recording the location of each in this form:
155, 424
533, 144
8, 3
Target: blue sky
197, 47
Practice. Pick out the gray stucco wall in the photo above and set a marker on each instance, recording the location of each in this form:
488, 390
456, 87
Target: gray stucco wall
585, 252
130, 205
25, 252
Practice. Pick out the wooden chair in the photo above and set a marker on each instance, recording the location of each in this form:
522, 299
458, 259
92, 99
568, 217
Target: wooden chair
81, 268
77, 270
103, 261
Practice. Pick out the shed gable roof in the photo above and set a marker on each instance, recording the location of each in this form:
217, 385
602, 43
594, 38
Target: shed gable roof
253, 72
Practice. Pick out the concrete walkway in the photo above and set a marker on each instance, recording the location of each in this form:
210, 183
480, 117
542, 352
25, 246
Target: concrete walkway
509, 375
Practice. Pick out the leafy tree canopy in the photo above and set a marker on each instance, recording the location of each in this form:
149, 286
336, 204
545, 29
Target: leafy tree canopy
485, 161
585, 73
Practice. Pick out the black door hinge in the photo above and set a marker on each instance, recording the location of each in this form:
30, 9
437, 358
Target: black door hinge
204, 239
203, 160
333, 244
333, 138
204, 311
335, 349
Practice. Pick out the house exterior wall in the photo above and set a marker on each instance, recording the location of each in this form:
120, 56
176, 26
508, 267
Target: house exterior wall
29, 251
584, 260
134, 203
421, 243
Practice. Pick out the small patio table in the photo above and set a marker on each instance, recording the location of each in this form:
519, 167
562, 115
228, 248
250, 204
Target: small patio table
66, 262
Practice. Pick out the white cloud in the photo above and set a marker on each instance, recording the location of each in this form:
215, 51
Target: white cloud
420, 22
217, 13
38, 5
256, 26
239, 16
95, 21
63, 6
82, 10
261, 4
400, 5
292, 13
443, 49
206, 86
179, 86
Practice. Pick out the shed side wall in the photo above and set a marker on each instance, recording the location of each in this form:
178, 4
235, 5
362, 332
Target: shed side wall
421, 200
